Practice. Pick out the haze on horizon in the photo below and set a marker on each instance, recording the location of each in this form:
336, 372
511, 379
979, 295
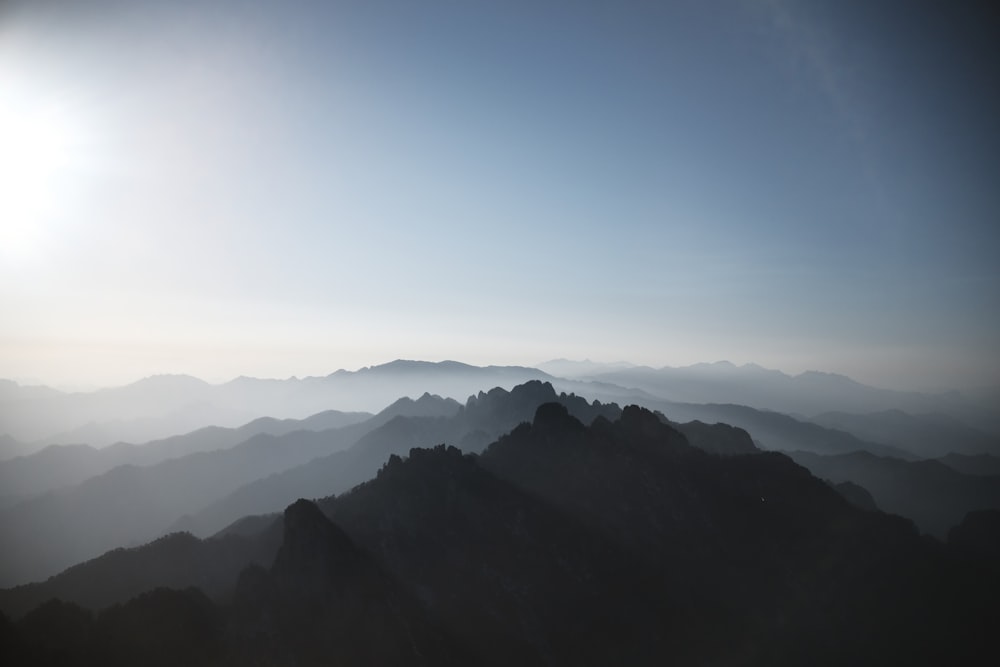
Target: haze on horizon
224, 188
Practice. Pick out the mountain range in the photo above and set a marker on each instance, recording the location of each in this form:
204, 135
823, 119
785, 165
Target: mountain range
560, 543
65, 504
519, 523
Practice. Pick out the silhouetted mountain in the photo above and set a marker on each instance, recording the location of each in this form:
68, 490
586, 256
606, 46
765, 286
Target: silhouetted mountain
505, 572
324, 601
927, 436
742, 559
931, 494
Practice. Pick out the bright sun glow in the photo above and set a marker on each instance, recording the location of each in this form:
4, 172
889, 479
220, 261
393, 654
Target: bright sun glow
36, 147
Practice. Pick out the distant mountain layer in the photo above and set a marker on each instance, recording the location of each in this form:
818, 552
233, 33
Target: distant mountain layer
57, 466
132, 504
809, 393
565, 544
925, 435
774, 430
162, 406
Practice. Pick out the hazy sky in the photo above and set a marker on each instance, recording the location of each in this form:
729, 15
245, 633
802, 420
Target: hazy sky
287, 188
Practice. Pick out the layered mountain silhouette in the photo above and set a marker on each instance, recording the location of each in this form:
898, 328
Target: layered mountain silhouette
806, 394
162, 406
165, 405
268, 463
564, 543
484, 417
132, 504
776, 431
64, 465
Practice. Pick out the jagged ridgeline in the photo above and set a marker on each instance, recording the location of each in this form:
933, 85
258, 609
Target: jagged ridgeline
585, 535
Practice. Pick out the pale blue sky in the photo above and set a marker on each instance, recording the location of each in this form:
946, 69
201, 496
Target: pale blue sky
279, 188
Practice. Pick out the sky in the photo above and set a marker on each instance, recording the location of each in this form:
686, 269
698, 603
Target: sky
287, 188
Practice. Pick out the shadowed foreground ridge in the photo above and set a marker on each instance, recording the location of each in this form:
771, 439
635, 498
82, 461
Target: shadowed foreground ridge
567, 544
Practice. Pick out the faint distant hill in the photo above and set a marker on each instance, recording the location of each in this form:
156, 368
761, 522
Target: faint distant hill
931, 494
927, 435
806, 394
62, 465
166, 405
